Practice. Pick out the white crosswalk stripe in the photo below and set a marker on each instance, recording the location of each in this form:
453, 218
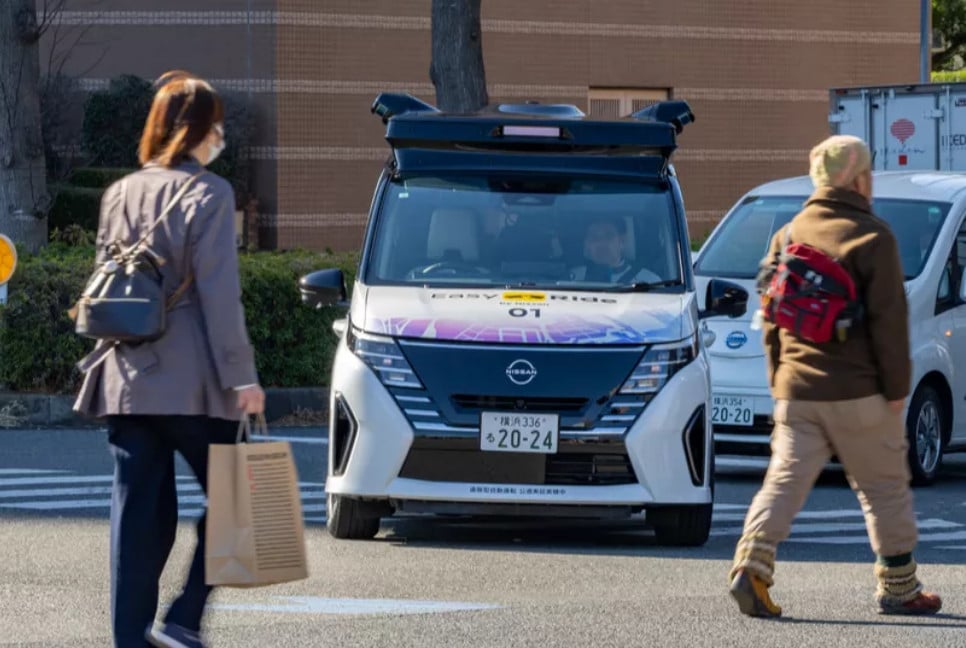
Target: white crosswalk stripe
53, 491
833, 527
23, 489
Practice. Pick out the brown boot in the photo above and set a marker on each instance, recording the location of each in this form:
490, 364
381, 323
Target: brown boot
751, 593
924, 603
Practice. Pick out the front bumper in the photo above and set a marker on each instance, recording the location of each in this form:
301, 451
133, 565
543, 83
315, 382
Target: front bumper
659, 459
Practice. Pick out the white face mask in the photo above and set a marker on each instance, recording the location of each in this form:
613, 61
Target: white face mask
214, 150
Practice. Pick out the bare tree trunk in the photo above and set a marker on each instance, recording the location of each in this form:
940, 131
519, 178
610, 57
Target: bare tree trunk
457, 60
23, 182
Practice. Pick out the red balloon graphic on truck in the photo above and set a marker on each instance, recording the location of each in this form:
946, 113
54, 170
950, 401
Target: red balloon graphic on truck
902, 129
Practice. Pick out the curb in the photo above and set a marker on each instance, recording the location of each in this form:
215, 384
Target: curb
286, 406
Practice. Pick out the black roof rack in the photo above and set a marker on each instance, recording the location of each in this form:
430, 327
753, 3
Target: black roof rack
412, 123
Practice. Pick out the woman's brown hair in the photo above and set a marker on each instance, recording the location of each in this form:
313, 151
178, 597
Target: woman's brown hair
184, 110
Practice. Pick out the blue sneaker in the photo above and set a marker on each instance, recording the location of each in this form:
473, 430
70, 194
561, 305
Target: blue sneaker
170, 635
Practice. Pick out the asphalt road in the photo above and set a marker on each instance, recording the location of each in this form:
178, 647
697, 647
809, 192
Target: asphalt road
451, 583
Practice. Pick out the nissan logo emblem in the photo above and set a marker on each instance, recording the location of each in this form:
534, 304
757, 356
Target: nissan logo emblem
521, 372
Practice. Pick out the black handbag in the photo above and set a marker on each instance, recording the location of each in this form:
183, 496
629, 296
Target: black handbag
124, 299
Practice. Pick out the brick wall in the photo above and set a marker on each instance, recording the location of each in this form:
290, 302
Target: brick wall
756, 73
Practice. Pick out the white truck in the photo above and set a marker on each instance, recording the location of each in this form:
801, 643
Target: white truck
908, 127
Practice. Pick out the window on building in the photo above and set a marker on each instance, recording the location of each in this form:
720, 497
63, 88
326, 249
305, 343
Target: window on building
620, 102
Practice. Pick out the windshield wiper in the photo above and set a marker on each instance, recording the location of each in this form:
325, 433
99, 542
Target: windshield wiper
646, 286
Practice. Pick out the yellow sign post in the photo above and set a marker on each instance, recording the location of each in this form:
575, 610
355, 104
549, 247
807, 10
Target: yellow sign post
8, 263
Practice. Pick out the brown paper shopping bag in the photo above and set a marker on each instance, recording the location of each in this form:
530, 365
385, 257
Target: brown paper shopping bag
254, 534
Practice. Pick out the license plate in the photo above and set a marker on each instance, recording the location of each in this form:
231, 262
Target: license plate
515, 432
732, 410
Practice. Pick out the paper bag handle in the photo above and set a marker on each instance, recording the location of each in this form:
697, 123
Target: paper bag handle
245, 431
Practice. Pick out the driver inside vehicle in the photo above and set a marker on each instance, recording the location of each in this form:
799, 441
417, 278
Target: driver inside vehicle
606, 251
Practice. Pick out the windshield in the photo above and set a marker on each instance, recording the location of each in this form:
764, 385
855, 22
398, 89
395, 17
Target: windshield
537, 232
739, 245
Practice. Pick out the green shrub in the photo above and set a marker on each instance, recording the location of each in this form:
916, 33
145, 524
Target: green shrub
37, 340
74, 206
948, 76
294, 344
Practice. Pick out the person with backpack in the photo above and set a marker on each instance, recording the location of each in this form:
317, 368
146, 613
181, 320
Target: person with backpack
834, 321
173, 369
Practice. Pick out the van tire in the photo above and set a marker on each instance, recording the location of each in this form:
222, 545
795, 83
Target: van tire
681, 526
926, 420
349, 519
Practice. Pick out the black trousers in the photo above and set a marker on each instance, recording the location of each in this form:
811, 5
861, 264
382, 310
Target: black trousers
144, 517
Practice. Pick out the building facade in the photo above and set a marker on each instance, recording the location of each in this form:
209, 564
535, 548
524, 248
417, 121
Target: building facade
756, 73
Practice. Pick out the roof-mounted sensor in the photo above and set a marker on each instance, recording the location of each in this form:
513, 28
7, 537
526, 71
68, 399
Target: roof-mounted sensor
676, 113
390, 104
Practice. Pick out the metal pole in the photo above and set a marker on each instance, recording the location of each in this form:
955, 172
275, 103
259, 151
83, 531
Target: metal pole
925, 38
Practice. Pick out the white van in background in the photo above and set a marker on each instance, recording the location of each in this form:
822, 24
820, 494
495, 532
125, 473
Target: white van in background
926, 212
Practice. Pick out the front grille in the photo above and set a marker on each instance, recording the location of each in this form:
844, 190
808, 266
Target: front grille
526, 403
575, 464
583, 469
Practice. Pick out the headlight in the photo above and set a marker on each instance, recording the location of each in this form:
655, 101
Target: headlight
658, 364
384, 357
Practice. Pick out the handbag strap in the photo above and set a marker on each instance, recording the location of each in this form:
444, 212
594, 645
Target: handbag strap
167, 210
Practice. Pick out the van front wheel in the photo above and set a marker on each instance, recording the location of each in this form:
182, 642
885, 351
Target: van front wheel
349, 519
681, 526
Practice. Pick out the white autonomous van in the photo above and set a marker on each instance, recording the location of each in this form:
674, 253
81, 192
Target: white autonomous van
926, 213
522, 337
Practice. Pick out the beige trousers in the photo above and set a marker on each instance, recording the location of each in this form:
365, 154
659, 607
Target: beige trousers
870, 441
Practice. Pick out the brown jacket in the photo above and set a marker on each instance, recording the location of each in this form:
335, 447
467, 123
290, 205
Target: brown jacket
875, 358
205, 351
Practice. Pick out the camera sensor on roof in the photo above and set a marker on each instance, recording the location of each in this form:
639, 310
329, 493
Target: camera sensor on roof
532, 131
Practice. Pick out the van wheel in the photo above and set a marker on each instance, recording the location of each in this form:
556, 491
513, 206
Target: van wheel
349, 519
926, 433
681, 526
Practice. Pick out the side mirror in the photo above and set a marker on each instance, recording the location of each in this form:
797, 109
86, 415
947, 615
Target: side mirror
962, 286
724, 298
323, 288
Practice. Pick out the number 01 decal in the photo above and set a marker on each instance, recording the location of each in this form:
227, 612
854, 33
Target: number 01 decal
524, 312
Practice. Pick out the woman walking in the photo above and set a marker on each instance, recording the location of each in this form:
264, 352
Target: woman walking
187, 389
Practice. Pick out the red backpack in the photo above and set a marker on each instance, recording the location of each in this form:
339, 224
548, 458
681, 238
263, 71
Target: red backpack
809, 294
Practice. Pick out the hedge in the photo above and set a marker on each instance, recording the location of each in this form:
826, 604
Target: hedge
948, 76
293, 343
74, 205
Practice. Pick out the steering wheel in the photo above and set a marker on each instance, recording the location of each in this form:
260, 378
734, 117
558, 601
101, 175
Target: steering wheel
452, 267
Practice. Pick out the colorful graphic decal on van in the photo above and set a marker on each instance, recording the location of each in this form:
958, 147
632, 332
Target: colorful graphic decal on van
563, 329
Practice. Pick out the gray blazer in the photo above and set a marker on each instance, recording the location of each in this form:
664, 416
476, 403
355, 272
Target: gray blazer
205, 351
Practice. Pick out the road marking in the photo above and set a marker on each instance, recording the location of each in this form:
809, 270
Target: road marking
739, 462
294, 439
803, 515
73, 479
89, 490
53, 505
729, 507
27, 471
833, 528
923, 537
318, 605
